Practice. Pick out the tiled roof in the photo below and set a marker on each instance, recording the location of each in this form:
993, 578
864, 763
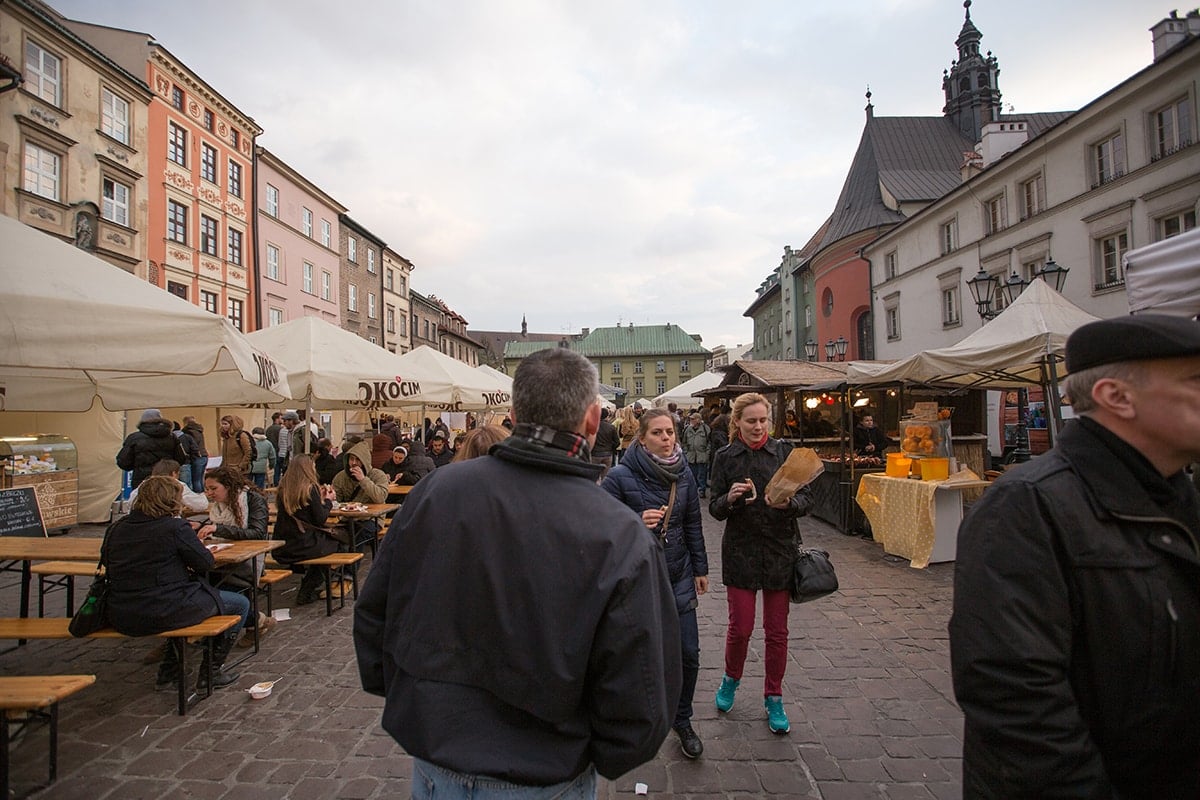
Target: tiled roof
782, 374
620, 340
915, 158
1037, 123
495, 341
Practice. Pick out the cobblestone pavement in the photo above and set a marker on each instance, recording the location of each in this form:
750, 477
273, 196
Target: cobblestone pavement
867, 689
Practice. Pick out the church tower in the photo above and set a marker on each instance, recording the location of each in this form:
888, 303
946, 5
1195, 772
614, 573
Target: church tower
971, 84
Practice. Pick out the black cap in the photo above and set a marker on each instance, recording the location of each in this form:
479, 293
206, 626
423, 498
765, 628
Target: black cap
1140, 337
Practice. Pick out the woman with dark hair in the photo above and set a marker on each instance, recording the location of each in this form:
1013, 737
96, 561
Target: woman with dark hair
326, 465
237, 510
479, 441
757, 549
303, 506
156, 565
653, 479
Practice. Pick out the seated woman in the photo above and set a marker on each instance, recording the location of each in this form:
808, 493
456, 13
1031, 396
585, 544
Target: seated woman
238, 511
303, 505
325, 462
156, 566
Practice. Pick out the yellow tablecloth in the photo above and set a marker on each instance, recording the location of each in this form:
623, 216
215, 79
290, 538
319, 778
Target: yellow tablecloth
901, 514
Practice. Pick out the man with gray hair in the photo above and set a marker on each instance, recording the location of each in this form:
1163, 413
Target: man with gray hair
1075, 637
518, 619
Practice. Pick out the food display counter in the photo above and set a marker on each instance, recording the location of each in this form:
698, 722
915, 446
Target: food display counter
915, 519
48, 463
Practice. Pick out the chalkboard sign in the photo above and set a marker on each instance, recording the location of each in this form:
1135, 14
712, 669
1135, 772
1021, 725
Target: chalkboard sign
20, 514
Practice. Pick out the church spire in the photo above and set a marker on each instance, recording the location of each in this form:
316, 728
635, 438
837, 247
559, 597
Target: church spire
971, 84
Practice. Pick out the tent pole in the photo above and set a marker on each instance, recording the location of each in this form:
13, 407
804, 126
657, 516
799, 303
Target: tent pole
1056, 419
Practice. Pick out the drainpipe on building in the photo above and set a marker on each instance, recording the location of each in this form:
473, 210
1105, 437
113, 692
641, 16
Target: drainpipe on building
254, 234
870, 301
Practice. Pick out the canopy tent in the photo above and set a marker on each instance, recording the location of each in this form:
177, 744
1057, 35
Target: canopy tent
74, 328
447, 384
1020, 347
682, 395
332, 368
1164, 277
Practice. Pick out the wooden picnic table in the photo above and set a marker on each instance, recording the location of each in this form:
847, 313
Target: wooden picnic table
352, 518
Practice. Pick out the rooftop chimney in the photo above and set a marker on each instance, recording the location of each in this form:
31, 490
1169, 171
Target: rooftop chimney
1174, 30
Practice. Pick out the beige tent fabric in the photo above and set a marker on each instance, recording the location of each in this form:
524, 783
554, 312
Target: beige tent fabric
74, 327
681, 395
450, 385
1164, 277
1007, 352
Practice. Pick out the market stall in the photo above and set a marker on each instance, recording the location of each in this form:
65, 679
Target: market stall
915, 519
47, 463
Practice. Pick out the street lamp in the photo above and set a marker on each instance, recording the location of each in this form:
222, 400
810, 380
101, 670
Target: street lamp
810, 350
983, 291
1054, 275
840, 347
829, 350
1013, 288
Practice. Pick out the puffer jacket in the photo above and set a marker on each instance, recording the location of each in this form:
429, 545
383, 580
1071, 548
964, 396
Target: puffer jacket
636, 484
1075, 635
145, 447
373, 488
756, 548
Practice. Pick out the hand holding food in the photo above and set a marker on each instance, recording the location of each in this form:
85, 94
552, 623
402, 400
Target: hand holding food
653, 517
741, 488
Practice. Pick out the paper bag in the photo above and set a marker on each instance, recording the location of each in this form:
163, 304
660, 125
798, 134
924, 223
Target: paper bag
802, 467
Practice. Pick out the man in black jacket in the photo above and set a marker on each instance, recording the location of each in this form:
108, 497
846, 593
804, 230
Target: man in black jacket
519, 620
1075, 637
608, 441
150, 443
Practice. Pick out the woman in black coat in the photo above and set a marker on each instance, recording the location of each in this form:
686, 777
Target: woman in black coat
757, 549
156, 566
643, 481
303, 506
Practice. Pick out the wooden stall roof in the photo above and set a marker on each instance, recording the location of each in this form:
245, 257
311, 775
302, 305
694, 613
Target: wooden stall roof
747, 376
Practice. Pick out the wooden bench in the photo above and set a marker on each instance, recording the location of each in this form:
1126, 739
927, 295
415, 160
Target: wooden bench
58, 628
337, 563
27, 696
266, 584
53, 575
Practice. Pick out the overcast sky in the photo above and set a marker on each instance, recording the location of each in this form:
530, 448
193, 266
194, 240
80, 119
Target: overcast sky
585, 164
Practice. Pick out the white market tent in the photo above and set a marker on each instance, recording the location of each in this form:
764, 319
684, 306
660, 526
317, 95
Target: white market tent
1164, 277
447, 384
682, 395
74, 328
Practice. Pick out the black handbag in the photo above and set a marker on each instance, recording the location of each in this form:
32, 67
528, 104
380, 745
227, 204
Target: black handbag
812, 575
92, 614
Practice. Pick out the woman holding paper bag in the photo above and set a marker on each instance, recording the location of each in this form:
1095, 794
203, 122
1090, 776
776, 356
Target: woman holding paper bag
756, 549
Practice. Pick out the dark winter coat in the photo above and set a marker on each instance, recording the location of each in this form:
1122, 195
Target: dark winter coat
189, 446
416, 466
303, 541
636, 484
156, 569
756, 548
608, 441
150, 443
513, 586
196, 431
440, 459
327, 466
1075, 637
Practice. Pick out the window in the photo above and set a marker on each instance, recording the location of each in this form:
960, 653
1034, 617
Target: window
995, 215
889, 266
1109, 252
43, 73
307, 280
180, 290
1033, 197
402, 325
177, 223
950, 315
616, 368
306, 222
1030, 268
177, 144
114, 116
177, 97
208, 162
370, 260
234, 240
660, 366
208, 300
1176, 224
272, 201
1108, 159
373, 340
391, 319
272, 262
274, 316
235, 138
1172, 128
208, 235
208, 120
637, 388
892, 315
387, 280
235, 312
371, 305
115, 205
426, 326
617, 383
326, 285
403, 283
43, 171
326, 232
949, 236
660, 386
637, 368
683, 367
352, 297
235, 178
352, 248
